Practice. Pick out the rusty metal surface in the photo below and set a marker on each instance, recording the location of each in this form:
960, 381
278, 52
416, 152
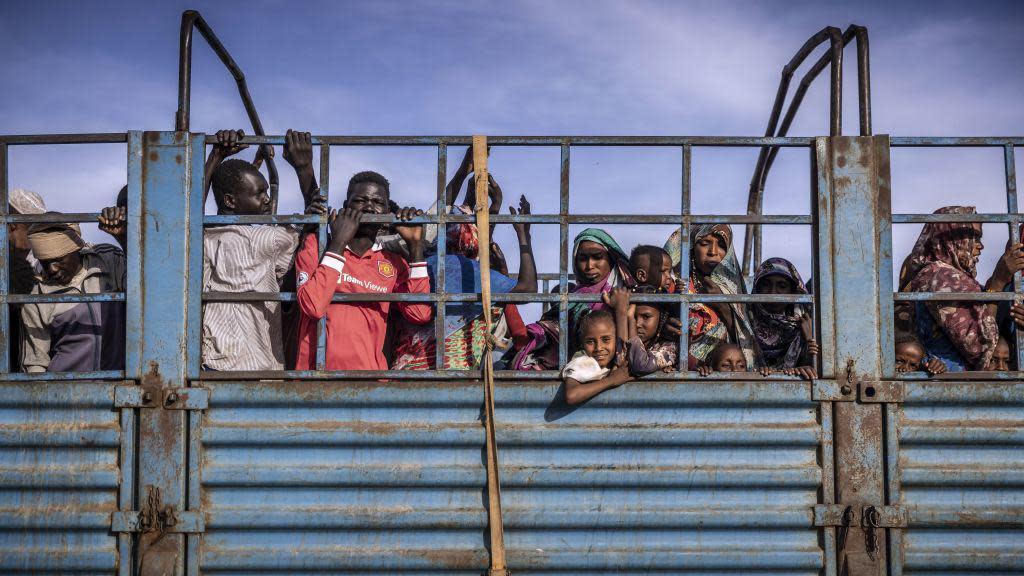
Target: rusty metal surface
60, 454
857, 172
383, 478
960, 475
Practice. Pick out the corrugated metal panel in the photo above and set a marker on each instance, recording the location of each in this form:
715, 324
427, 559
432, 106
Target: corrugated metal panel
59, 477
381, 478
961, 476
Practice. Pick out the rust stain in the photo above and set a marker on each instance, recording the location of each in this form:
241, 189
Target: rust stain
153, 156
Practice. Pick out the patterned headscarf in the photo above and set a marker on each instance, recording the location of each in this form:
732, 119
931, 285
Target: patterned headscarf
948, 242
727, 277
779, 335
942, 261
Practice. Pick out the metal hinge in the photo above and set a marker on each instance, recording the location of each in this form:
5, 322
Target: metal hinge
155, 516
170, 399
866, 516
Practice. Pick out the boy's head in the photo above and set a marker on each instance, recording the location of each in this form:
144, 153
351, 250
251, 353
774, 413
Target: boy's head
727, 358
370, 193
909, 355
122, 197
1001, 357
57, 247
597, 336
239, 188
652, 266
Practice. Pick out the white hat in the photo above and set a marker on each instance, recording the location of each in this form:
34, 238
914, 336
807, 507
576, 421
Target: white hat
26, 201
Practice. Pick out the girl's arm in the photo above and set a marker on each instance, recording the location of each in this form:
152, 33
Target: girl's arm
577, 392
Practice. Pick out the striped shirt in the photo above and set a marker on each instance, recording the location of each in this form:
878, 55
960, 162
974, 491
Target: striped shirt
245, 258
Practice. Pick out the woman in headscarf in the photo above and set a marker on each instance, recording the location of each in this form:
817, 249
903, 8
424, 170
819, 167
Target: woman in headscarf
963, 335
599, 265
783, 331
714, 269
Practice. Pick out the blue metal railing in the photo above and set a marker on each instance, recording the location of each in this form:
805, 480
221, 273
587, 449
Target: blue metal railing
563, 219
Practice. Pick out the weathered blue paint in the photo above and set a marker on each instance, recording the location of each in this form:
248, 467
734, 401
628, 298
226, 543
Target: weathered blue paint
374, 477
858, 180
960, 472
61, 447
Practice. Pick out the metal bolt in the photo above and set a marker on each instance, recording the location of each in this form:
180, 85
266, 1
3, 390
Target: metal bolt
846, 390
171, 399
147, 397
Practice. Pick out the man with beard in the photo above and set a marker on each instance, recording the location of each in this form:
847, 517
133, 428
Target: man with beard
356, 263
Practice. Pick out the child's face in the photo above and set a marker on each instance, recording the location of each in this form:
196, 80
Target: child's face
1001, 357
774, 284
908, 357
655, 272
708, 252
592, 263
731, 361
647, 318
599, 341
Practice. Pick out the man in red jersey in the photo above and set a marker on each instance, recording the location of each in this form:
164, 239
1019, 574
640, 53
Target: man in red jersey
355, 263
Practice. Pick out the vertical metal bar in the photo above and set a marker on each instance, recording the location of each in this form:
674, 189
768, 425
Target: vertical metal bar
859, 177
863, 79
133, 258
171, 174
546, 287
5, 284
828, 481
193, 541
126, 487
684, 257
893, 483
821, 207
883, 228
194, 218
325, 190
441, 237
563, 258
1012, 208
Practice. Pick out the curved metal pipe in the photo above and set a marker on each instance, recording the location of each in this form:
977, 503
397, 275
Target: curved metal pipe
766, 158
192, 19
834, 35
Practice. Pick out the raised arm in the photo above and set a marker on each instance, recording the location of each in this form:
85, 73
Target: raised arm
461, 173
527, 279
228, 144
618, 300
298, 151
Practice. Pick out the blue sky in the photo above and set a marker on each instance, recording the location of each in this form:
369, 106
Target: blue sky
535, 67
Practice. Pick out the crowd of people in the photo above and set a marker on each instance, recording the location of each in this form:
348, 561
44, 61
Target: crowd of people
611, 341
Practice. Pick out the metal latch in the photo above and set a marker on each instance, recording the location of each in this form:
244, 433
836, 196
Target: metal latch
832, 391
194, 398
867, 516
157, 517
882, 391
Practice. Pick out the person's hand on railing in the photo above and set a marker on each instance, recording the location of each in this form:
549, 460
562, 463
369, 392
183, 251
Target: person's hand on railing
228, 144
411, 233
298, 149
1017, 313
114, 221
934, 366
